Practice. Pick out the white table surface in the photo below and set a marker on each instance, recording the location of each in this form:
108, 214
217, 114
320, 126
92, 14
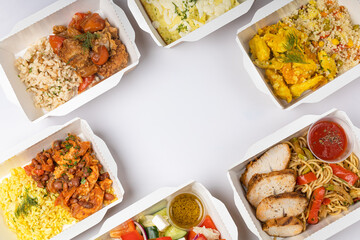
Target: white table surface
190, 112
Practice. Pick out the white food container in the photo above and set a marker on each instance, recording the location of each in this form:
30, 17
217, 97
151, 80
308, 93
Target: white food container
158, 200
326, 227
145, 22
39, 25
271, 14
22, 155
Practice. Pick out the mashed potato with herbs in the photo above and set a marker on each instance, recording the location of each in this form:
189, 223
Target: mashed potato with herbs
174, 19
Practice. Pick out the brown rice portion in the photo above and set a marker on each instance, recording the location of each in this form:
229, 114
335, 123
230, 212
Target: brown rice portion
50, 81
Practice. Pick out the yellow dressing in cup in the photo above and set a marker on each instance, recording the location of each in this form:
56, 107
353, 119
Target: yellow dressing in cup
186, 210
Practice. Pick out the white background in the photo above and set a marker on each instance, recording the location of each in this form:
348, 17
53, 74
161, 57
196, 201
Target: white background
190, 112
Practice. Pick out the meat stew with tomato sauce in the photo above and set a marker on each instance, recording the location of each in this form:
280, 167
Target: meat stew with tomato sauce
90, 45
71, 169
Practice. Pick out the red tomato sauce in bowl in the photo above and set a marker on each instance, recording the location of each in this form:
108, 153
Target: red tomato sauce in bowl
327, 140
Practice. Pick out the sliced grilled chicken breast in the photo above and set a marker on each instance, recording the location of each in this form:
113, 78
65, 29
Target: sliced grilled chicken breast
275, 159
266, 184
281, 205
283, 227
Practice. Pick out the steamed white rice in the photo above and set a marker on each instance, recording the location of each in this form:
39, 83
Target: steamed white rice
50, 81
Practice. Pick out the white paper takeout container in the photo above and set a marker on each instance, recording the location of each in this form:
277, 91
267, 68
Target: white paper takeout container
326, 227
39, 25
271, 14
158, 200
22, 155
145, 22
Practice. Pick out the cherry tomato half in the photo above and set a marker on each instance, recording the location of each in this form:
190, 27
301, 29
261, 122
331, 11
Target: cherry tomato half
28, 169
93, 23
56, 43
85, 83
100, 56
77, 19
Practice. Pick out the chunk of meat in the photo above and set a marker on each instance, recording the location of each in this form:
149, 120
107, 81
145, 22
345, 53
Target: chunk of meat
267, 184
112, 30
88, 70
270, 64
67, 158
73, 53
312, 83
72, 32
84, 147
278, 84
281, 205
105, 184
96, 198
90, 160
278, 42
90, 182
328, 64
275, 159
64, 197
50, 185
59, 30
65, 32
105, 39
294, 73
283, 227
59, 171
259, 49
116, 62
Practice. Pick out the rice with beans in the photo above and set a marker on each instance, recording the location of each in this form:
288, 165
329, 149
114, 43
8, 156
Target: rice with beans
329, 27
41, 221
50, 81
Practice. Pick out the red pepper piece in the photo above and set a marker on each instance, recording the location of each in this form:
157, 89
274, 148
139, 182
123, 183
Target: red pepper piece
306, 178
344, 174
316, 200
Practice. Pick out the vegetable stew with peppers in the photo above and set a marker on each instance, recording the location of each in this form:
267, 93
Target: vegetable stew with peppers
71, 169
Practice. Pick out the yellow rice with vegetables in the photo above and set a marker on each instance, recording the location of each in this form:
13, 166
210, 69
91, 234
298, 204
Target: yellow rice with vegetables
28, 210
307, 49
174, 19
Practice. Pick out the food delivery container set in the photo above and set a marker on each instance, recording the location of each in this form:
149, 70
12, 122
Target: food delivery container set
38, 25
324, 229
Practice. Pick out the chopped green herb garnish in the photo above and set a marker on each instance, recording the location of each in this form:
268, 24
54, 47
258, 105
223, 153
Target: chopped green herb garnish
30, 70
70, 137
25, 205
294, 53
181, 28
83, 180
87, 39
68, 146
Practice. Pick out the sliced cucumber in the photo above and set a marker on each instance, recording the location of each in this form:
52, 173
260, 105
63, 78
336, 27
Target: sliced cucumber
152, 232
174, 233
146, 220
162, 212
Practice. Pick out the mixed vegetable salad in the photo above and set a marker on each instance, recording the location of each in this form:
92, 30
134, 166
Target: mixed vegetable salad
159, 226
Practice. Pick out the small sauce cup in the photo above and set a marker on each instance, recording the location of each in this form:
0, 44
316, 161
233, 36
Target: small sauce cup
186, 210
331, 139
